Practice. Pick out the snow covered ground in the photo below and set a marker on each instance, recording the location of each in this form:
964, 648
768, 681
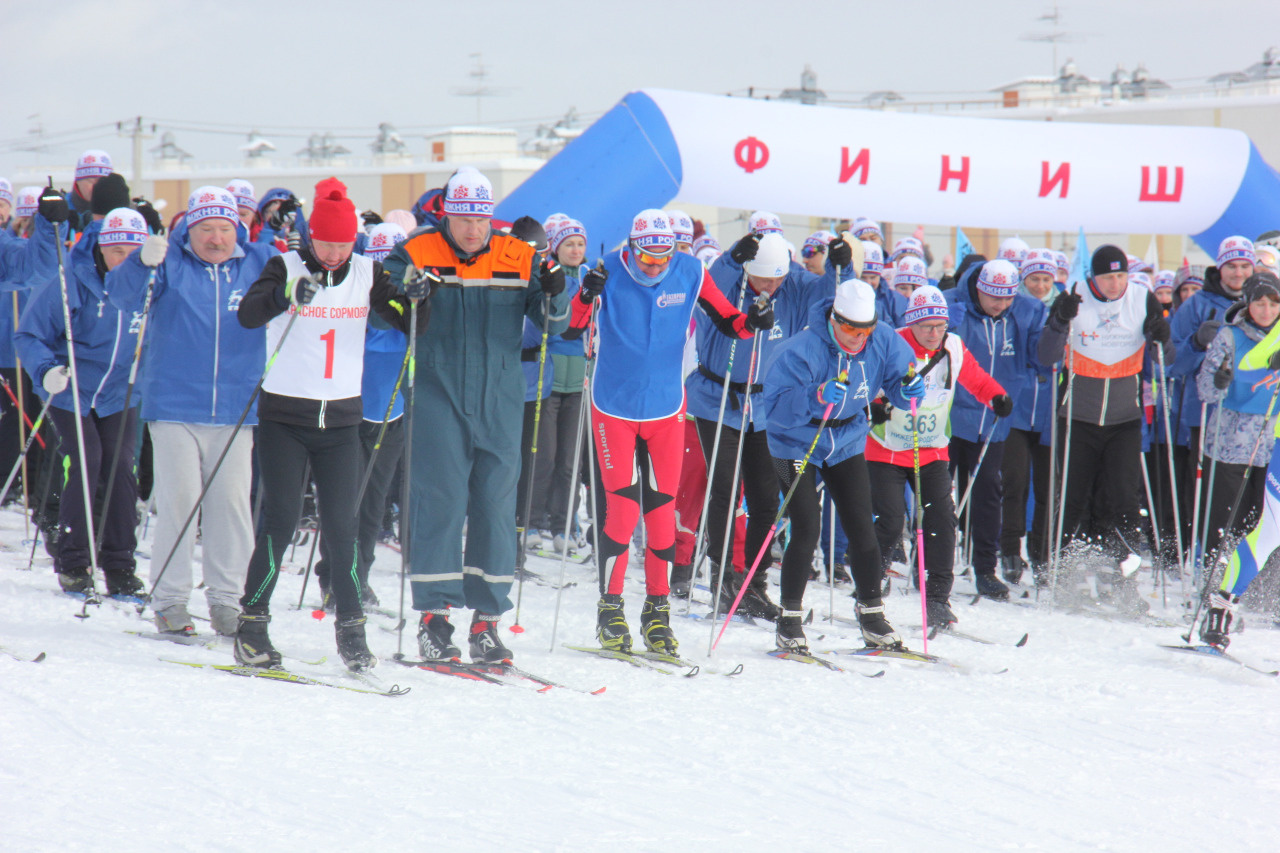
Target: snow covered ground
1093, 739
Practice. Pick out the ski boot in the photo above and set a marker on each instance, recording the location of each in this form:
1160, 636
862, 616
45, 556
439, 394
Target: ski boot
876, 630
655, 626
1011, 567
1216, 627
368, 598
790, 634
435, 637
175, 619
842, 575
76, 581
611, 625
755, 601
351, 644
989, 586
681, 580
939, 612
252, 645
124, 582
485, 643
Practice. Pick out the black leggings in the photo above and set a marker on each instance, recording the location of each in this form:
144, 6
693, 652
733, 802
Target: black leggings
335, 456
758, 480
850, 487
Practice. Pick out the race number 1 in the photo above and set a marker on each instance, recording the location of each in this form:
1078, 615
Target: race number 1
329, 337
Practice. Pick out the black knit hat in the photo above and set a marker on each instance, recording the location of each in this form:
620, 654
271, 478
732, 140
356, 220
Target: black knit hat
1108, 259
109, 193
1260, 284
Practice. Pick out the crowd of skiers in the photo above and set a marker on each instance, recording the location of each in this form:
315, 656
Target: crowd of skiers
715, 395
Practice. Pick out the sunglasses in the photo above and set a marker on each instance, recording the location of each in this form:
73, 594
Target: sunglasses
857, 329
653, 260
810, 251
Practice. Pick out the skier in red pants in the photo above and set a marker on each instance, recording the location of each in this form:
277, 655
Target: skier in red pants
637, 416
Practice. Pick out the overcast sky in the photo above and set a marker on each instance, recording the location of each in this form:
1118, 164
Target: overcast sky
344, 66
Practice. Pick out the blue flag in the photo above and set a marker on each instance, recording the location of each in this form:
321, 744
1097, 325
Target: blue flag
1079, 262
963, 247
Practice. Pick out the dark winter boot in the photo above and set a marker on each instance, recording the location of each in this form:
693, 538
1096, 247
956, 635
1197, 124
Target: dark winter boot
1217, 623
252, 645
790, 634
611, 625
681, 580
485, 643
76, 581
989, 586
124, 583
655, 626
842, 575
728, 589
755, 601
435, 637
939, 613
368, 598
876, 630
352, 646
1012, 566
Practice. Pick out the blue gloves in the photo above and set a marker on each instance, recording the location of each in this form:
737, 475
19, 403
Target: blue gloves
913, 388
832, 392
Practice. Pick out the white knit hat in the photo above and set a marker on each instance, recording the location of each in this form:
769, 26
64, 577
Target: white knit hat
764, 222
910, 270
242, 192
211, 203
681, 225
468, 193
27, 202
384, 237
1039, 260
123, 227
856, 302
1236, 249
772, 259
927, 302
998, 278
6, 190
651, 232
93, 164
872, 257
864, 228
1013, 250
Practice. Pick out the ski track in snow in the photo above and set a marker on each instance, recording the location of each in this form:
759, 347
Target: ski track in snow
1094, 739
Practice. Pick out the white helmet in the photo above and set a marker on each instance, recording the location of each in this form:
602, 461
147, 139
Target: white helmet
772, 258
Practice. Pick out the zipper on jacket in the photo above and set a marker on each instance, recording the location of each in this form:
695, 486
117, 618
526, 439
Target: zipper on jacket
217, 337
111, 364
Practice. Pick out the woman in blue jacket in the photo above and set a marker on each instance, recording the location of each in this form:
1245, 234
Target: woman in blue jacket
811, 378
105, 339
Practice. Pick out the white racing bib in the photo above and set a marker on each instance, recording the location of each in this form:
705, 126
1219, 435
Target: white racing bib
323, 357
933, 412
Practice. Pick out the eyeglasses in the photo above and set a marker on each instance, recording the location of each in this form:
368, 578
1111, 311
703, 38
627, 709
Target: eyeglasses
932, 328
653, 260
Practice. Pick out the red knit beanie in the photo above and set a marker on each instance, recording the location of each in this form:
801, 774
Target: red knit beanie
333, 219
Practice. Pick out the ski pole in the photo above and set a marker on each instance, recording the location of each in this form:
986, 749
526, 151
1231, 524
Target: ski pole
973, 476
92, 596
405, 472
699, 550
1208, 500
584, 416
22, 421
31, 437
1195, 508
128, 399
786, 500
226, 448
1168, 440
1047, 544
48, 461
725, 559
1069, 366
915, 465
1222, 558
22, 415
522, 530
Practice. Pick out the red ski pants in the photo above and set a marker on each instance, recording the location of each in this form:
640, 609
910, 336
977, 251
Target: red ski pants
639, 466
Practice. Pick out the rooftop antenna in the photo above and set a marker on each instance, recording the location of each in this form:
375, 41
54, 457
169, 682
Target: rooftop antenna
1054, 18
479, 73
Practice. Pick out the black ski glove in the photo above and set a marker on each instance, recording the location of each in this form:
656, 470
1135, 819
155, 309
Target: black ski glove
1066, 307
1205, 334
592, 285
760, 316
420, 284
370, 218
552, 278
1002, 405
839, 253
745, 249
1273, 363
1223, 375
1156, 328
149, 215
53, 206
880, 411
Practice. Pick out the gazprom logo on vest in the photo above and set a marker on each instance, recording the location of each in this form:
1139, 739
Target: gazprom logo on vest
668, 299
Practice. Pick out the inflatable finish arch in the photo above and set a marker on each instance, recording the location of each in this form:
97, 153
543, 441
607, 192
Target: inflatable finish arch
657, 145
